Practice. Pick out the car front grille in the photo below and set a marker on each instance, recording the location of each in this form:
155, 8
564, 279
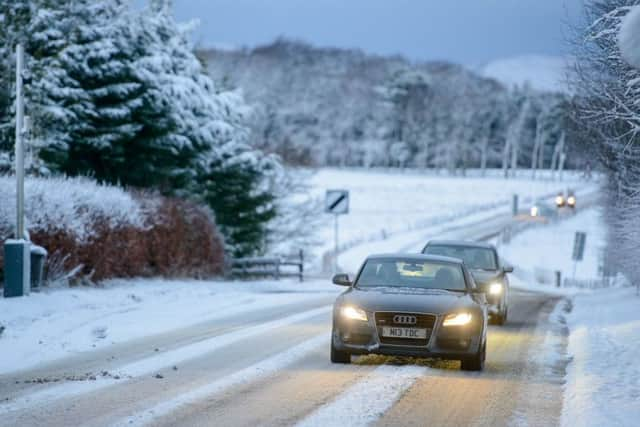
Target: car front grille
426, 321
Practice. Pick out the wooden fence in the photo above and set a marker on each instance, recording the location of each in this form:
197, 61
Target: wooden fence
275, 267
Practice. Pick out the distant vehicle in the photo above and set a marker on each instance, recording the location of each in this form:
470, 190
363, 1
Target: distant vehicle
411, 305
541, 212
483, 262
571, 199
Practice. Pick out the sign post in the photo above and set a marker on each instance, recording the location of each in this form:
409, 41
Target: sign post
578, 249
336, 203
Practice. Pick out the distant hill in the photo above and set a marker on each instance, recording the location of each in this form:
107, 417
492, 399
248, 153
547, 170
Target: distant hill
547, 73
329, 106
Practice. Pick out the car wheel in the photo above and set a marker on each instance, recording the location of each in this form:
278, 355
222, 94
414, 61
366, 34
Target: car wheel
338, 356
475, 363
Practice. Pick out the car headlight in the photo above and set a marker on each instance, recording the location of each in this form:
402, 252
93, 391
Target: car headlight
559, 200
571, 200
353, 313
457, 319
495, 289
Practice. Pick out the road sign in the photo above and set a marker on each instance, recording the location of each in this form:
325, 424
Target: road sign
337, 202
578, 245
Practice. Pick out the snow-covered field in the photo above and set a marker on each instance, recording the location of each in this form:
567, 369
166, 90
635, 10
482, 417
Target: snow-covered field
51, 325
384, 203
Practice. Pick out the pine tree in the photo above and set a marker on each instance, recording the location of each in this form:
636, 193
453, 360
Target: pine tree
119, 95
14, 16
232, 184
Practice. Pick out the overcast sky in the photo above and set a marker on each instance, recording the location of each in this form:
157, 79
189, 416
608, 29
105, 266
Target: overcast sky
470, 32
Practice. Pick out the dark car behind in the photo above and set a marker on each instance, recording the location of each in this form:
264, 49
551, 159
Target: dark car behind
486, 267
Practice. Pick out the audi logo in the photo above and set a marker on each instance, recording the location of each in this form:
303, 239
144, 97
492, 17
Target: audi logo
405, 319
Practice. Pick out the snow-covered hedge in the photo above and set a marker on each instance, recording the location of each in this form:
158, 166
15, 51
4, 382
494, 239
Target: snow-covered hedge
102, 231
70, 204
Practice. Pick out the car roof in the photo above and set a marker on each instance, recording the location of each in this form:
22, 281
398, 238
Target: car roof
416, 257
461, 243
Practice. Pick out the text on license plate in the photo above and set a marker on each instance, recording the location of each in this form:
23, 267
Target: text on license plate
415, 333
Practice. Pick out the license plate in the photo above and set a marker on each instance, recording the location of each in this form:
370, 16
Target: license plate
412, 333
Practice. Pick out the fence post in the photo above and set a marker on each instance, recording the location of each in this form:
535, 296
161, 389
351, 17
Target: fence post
301, 267
558, 279
278, 269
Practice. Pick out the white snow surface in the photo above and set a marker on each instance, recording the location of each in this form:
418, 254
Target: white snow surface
149, 365
547, 73
255, 372
359, 405
603, 379
629, 37
51, 325
540, 251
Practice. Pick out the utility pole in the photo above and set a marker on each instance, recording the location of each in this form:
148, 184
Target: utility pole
19, 143
17, 252
335, 243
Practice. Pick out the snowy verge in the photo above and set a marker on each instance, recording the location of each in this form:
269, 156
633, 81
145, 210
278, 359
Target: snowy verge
603, 380
541, 250
51, 325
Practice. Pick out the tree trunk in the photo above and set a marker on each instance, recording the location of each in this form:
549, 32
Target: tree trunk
483, 156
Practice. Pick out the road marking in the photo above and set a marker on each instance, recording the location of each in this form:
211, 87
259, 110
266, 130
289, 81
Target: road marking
368, 399
152, 364
253, 373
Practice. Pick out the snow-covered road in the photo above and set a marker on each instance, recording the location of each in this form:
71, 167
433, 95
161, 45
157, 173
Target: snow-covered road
272, 368
258, 361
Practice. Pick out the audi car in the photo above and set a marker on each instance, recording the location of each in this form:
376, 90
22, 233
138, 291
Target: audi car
489, 274
411, 305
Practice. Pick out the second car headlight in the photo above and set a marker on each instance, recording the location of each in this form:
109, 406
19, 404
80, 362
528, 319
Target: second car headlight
495, 289
353, 313
457, 319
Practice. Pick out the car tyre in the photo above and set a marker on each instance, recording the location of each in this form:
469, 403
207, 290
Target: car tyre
338, 356
475, 363
501, 319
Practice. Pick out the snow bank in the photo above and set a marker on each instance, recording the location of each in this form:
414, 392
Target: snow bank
51, 325
603, 379
70, 204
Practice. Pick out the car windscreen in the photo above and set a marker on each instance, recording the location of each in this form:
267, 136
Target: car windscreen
409, 273
473, 257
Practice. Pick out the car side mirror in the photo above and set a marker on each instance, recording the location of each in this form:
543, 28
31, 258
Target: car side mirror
341, 280
507, 269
